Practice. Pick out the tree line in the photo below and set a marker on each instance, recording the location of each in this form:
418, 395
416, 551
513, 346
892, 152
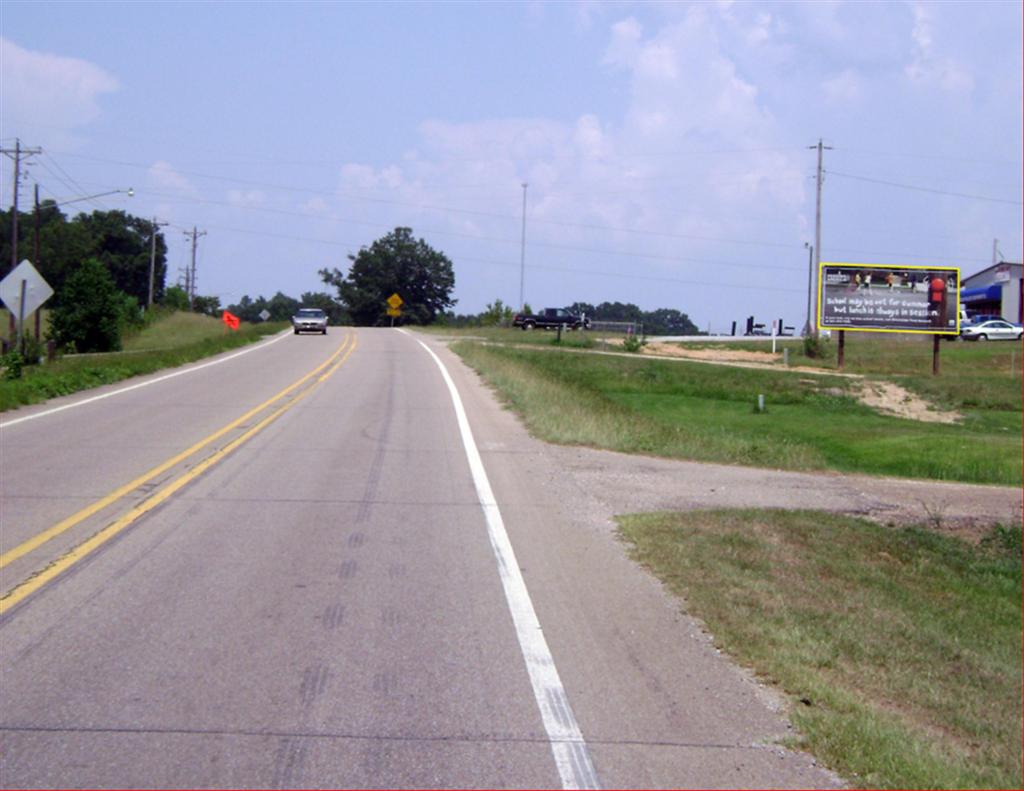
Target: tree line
663, 321
99, 267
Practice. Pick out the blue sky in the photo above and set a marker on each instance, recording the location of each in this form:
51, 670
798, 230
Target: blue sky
665, 144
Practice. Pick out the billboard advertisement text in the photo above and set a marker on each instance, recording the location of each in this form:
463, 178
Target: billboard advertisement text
889, 298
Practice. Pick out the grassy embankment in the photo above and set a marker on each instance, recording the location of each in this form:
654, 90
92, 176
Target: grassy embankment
812, 422
169, 341
900, 649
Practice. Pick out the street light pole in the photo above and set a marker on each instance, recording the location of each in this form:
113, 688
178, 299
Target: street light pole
129, 192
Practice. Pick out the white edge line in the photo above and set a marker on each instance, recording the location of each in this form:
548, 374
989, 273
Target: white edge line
128, 389
568, 748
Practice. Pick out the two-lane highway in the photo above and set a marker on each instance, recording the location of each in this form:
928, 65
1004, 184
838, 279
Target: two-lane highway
288, 569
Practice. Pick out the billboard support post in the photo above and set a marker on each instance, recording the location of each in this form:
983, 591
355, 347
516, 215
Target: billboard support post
841, 350
935, 355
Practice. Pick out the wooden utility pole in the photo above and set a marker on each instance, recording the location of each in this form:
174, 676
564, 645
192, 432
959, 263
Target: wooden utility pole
817, 216
152, 260
190, 274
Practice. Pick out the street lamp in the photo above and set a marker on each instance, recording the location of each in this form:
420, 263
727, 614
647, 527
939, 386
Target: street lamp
129, 192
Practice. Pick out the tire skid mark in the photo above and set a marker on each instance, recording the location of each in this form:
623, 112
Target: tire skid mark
377, 464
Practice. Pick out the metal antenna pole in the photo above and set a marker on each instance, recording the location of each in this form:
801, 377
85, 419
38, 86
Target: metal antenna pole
810, 325
522, 257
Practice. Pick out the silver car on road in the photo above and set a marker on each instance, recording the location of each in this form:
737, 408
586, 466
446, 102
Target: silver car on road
310, 320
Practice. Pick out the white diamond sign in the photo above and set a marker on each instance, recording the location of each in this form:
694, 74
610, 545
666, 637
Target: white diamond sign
264, 314
36, 290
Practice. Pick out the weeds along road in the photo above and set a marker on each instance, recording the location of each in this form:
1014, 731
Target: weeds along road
294, 567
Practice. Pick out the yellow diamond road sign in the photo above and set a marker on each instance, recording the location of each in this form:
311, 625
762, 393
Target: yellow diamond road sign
395, 301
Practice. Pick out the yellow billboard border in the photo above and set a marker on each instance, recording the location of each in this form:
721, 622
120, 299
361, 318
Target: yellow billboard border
891, 267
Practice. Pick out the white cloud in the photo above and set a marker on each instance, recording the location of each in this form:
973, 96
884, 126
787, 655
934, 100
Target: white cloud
846, 87
162, 175
926, 67
51, 90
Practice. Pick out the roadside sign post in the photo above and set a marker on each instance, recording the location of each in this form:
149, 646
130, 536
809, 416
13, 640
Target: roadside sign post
395, 303
24, 291
841, 350
935, 355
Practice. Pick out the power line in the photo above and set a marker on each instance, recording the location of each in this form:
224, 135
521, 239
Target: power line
924, 189
917, 155
447, 209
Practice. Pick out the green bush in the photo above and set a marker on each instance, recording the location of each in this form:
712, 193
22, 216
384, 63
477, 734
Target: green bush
91, 311
632, 343
815, 347
12, 364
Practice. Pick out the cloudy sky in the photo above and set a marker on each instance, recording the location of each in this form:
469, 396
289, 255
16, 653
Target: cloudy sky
665, 145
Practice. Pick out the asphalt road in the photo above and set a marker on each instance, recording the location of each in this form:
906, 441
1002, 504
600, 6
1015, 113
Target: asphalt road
276, 571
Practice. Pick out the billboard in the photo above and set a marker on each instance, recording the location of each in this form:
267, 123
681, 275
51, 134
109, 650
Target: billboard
889, 298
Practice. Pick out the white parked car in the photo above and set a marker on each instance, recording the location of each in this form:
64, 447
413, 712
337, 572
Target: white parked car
993, 330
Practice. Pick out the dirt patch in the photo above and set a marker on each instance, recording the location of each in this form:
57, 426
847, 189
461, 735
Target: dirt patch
891, 399
718, 355
885, 397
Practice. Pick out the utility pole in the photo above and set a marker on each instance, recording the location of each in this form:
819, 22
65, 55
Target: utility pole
817, 217
17, 154
190, 276
995, 252
190, 273
522, 257
152, 260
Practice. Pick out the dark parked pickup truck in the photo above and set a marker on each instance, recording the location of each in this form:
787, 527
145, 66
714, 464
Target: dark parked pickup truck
550, 318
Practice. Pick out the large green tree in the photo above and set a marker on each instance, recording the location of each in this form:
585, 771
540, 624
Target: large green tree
395, 264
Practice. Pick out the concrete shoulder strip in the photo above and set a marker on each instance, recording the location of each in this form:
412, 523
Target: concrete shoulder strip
572, 757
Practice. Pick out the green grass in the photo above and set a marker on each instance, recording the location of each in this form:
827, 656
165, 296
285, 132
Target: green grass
170, 340
972, 375
706, 412
900, 649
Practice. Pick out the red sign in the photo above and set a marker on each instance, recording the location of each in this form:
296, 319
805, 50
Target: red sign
230, 319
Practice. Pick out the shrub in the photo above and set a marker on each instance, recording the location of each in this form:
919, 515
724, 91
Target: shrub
815, 347
91, 311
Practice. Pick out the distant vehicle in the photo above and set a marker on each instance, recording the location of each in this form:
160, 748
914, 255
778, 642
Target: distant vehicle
549, 318
310, 320
996, 330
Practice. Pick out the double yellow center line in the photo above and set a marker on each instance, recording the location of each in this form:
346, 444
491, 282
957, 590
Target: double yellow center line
37, 580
